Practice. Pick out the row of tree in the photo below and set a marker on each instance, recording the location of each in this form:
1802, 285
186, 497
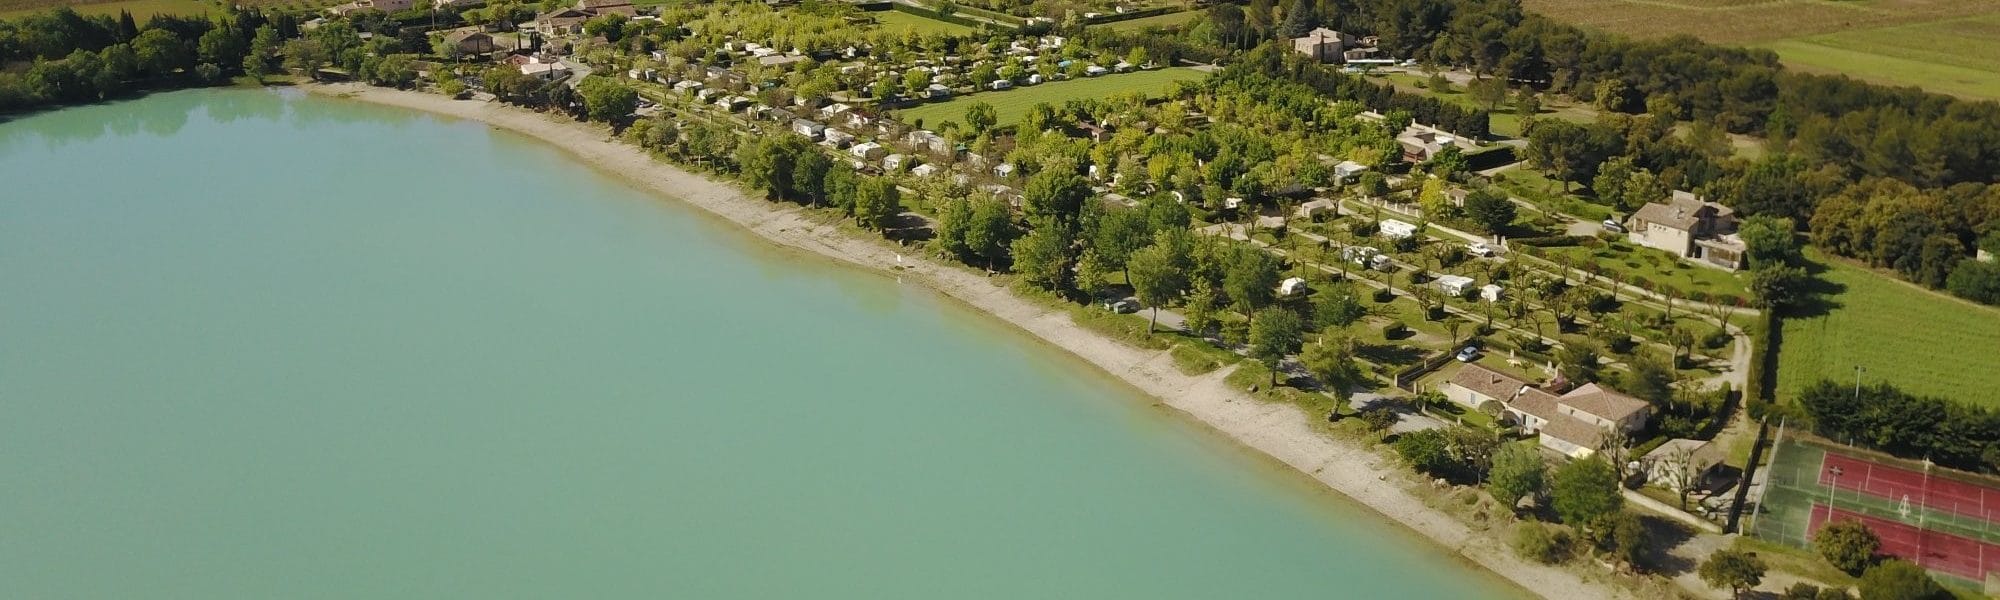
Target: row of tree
1880, 416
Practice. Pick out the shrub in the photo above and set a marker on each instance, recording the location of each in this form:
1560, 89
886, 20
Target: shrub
1542, 543
1393, 330
1847, 545
1552, 241
1378, 418
1900, 580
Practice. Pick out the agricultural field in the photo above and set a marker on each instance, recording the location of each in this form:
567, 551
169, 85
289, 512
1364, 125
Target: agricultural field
899, 21
1941, 45
1921, 341
1013, 104
1166, 20
141, 9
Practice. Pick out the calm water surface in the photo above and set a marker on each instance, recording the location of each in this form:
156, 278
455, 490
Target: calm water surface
256, 345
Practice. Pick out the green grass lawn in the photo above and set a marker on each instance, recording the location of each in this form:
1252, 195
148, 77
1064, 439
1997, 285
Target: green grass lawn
1014, 104
1538, 188
1956, 56
899, 21
140, 8
1655, 267
1502, 122
1166, 20
1918, 340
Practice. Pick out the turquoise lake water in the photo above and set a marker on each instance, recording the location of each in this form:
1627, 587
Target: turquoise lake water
259, 345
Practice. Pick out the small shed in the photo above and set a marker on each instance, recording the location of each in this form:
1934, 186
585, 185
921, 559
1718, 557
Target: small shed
1292, 286
1490, 292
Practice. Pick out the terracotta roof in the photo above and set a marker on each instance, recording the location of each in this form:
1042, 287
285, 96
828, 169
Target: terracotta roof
1536, 402
1603, 403
1487, 382
1573, 430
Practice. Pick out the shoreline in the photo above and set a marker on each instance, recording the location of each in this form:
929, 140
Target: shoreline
1277, 431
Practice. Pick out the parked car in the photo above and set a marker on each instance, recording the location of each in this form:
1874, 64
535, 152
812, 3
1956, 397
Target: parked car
1469, 354
1123, 307
1479, 249
1612, 226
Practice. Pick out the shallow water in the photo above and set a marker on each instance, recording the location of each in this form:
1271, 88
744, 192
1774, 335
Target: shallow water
259, 345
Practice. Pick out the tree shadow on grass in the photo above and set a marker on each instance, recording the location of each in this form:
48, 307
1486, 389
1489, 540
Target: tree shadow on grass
1393, 354
1819, 296
1662, 536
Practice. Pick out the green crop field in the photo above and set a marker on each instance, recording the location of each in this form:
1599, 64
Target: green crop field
1166, 20
899, 21
139, 8
1013, 104
1921, 341
1947, 46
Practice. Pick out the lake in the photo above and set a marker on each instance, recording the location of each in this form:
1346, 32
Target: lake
261, 345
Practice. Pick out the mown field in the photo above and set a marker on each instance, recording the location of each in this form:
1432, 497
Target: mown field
1166, 20
145, 8
899, 21
1013, 104
1920, 341
1949, 46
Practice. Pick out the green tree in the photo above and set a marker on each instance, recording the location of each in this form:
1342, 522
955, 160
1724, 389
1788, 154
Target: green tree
1117, 233
1898, 579
980, 116
305, 55
1847, 545
1274, 333
605, 99
1734, 569
1054, 195
1778, 286
1043, 256
1584, 490
1577, 362
1199, 315
161, 53
1490, 209
809, 171
1428, 451
1517, 473
1489, 92
1769, 241
876, 200
1337, 308
766, 164
1250, 277
1158, 273
1330, 360
991, 231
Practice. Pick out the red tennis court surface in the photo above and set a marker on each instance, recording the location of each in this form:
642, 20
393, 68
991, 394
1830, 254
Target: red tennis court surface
1895, 484
1941, 552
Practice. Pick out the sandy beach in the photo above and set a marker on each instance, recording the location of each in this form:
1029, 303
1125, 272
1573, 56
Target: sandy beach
1282, 432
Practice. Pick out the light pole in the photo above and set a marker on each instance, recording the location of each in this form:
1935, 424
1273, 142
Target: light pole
1857, 381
